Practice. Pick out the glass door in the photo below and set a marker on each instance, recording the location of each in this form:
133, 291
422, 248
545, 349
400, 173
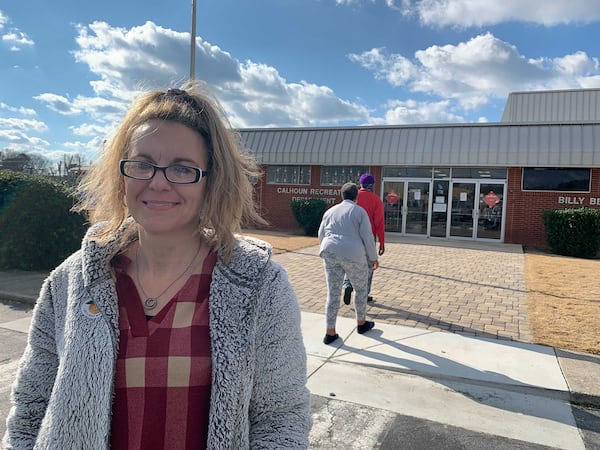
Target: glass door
406, 206
417, 206
462, 215
464, 208
439, 209
491, 210
393, 201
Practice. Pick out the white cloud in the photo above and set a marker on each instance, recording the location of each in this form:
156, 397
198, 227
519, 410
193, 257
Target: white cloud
146, 56
150, 56
84, 148
263, 98
351, 2
21, 141
101, 109
58, 103
395, 69
415, 112
22, 124
89, 129
576, 64
473, 72
590, 82
88, 152
3, 20
20, 110
17, 39
468, 13
18, 133
127, 61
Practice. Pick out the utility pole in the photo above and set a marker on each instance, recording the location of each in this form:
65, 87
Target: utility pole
193, 44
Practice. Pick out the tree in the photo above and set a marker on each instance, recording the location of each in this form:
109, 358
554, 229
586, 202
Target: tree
8, 153
38, 229
39, 164
17, 162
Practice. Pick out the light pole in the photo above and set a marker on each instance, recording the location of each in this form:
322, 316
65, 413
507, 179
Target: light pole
193, 44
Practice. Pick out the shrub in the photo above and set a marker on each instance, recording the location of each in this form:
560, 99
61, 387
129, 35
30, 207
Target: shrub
37, 228
308, 213
573, 231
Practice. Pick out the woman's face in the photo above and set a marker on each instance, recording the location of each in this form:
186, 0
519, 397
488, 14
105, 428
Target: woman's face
157, 205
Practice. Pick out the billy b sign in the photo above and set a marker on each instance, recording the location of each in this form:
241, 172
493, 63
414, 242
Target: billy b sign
578, 201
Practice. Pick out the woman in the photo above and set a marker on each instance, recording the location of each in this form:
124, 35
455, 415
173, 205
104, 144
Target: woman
347, 247
165, 330
373, 205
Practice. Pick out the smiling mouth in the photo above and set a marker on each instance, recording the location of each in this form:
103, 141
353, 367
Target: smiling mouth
153, 204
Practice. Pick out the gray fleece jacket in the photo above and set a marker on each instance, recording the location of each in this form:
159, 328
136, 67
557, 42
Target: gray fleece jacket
62, 396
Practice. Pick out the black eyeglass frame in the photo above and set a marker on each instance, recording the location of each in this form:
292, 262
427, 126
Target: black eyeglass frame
200, 173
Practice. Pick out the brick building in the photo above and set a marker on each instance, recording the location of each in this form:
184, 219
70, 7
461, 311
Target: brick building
484, 181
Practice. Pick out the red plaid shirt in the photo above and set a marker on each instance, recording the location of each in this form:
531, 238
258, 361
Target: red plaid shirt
163, 370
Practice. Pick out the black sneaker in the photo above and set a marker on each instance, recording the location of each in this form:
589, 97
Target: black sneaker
328, 339
347, 294
362, 329
370, 299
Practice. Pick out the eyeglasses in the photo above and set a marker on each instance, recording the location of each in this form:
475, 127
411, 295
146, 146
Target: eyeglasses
177, 174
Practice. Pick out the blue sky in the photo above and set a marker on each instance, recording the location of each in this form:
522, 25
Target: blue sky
69, 69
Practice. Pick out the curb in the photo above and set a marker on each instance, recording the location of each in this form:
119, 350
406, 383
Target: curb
536, 391
584, 400
16, 298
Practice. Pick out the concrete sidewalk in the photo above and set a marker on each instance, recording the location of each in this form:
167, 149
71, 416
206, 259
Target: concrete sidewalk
474, 289
501, 388
444, 310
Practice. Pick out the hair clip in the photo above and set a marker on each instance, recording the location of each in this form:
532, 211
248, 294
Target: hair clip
181, 96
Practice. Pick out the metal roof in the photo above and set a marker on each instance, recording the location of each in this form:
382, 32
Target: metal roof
574, 105
500, 145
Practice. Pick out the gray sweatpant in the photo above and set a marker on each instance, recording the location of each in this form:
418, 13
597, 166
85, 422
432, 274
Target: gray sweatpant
358, 274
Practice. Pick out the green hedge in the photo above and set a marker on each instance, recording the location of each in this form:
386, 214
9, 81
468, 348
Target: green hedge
308, 213
573, 231
37, 228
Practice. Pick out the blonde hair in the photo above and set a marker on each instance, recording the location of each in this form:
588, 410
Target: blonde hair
228, 203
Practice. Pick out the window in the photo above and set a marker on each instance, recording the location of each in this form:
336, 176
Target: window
554, 179
441, 172
407, 172
338, 175
445, 172
288, 174
479, 172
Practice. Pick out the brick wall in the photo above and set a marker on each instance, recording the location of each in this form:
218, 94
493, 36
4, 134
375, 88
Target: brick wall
524, 209
274, 199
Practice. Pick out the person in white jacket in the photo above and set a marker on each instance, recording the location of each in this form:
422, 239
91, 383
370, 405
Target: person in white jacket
166, 330
347, 247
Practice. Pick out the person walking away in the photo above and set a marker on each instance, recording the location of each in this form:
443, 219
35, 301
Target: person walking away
167, 329
347, 247
373, 205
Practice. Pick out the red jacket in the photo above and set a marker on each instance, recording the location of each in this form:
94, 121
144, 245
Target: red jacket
374, 207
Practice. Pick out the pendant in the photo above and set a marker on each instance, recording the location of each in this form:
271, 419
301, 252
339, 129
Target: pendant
150, 303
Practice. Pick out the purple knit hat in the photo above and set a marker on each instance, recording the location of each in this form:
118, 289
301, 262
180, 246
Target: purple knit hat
366, 179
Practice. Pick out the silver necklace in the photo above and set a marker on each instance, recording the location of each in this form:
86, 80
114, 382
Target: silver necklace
151, 302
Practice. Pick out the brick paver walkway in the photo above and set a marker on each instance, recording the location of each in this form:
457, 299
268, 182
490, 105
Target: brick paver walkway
459, 286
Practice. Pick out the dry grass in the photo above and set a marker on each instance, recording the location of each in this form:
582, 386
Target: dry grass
564, 301
282, 241
563, 294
